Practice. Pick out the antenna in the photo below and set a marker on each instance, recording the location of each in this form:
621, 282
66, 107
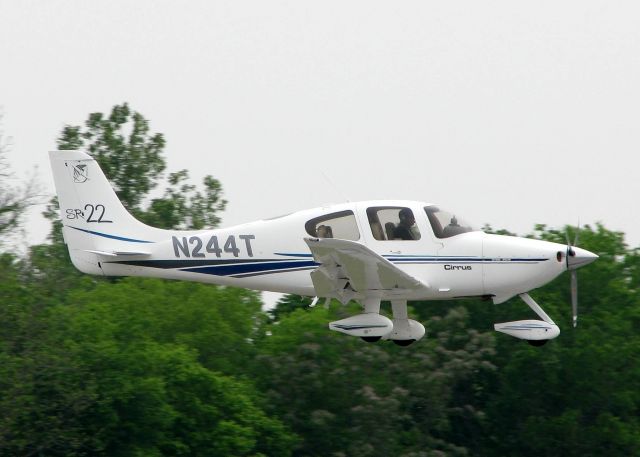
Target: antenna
334, 187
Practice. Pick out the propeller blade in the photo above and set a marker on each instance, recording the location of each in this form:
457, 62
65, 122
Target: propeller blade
569, 252
574, 296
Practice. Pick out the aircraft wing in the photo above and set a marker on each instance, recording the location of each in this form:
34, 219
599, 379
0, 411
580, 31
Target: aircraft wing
349, 269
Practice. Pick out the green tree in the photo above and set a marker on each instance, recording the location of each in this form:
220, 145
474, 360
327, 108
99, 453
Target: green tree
14, 199
218, 323
371, 399
122, 371
288, 304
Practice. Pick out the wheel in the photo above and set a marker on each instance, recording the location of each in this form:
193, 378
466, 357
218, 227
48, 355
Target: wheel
403, 342
371, 339
537, 343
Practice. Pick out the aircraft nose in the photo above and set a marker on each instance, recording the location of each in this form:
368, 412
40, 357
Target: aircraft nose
579, 258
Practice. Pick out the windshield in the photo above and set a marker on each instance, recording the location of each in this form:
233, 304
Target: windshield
446, 224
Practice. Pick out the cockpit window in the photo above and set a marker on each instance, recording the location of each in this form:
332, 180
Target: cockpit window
340, 225
392, 223
446, 224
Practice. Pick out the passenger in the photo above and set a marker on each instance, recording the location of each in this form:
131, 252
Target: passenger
406, 226
324, 231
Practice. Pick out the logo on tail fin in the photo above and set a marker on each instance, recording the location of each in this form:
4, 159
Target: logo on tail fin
80, 173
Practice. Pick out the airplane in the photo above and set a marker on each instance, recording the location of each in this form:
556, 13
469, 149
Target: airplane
369, 251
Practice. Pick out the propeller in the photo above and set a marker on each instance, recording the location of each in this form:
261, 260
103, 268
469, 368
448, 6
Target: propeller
574, 274
576, 258
574, 297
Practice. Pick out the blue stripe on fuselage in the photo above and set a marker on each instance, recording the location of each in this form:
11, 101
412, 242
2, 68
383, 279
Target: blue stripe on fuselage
230, 270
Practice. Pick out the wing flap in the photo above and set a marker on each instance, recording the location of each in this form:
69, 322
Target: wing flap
348, 268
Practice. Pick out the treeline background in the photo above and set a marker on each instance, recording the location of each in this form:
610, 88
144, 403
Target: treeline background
95, 366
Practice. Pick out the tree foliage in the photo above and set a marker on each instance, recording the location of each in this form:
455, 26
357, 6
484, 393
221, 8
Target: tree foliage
14, 199
131, 368
373, 399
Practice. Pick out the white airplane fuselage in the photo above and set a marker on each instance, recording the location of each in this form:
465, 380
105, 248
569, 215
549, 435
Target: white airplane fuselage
271, 255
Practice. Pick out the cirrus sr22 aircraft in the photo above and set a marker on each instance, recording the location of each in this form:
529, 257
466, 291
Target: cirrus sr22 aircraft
366, 251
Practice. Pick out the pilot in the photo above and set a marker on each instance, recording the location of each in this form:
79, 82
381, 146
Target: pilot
406, 226
454, 228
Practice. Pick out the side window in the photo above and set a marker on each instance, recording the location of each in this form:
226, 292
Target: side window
335, 225
446, 224
393, 223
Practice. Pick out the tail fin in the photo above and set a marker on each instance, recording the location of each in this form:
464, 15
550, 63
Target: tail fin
95, 223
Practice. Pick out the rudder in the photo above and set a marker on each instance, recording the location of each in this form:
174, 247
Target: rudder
95, 223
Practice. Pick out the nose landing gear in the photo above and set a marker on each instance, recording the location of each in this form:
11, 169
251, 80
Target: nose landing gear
535, 332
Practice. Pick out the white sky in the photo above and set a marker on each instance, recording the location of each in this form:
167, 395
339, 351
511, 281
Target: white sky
511, 113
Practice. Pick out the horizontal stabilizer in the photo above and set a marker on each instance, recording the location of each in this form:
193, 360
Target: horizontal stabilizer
118, 253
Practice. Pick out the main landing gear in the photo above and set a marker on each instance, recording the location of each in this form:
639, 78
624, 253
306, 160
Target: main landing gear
373, 327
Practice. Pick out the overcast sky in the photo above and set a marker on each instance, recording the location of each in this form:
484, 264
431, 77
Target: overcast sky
509, 113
